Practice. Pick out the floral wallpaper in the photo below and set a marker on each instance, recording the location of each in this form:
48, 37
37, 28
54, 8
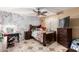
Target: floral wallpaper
22, 22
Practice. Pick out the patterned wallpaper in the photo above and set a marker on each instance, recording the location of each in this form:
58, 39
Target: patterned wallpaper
20, 21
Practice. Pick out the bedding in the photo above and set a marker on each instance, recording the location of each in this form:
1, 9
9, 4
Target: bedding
38, 34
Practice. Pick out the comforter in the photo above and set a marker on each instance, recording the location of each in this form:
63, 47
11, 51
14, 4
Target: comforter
38, 35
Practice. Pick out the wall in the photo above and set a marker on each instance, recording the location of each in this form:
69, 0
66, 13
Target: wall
51, 23
22, 22
74, 24
69, 12
73, 12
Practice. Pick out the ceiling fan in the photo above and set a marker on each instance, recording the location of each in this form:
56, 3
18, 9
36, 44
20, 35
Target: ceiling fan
39, 12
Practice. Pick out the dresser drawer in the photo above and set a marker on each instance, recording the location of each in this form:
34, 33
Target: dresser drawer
62, 30
64, 39
65, 44
62, 35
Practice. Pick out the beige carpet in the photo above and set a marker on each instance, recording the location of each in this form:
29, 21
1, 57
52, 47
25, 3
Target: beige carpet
34, 46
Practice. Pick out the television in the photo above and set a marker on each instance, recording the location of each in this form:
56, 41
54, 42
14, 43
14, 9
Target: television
64, 22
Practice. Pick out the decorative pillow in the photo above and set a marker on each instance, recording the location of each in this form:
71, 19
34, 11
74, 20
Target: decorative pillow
37, 29
44, 28
33, 29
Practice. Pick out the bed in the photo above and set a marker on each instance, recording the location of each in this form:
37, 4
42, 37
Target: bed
39, 34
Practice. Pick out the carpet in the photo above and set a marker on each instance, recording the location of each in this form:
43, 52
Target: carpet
34, 46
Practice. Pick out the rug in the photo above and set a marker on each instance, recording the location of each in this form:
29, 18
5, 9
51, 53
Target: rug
34, 46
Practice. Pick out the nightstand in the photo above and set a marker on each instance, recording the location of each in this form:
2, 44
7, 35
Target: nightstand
10, 38
27, 35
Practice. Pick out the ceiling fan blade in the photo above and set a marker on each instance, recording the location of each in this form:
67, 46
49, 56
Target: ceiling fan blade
35, 11
44, 12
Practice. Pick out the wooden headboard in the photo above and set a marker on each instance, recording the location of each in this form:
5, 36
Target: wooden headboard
32, 26
39, 26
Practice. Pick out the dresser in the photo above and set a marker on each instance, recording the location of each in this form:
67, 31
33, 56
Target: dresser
64, 36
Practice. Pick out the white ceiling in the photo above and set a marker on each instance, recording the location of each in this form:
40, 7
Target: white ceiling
29, 11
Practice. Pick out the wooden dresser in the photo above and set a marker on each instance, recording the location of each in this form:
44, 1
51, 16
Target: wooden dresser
64, 36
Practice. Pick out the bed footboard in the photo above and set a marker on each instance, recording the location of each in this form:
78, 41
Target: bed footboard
49, 38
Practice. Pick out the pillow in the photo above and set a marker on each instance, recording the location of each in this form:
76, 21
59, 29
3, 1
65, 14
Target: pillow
44, 28
37, 29
33, 29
